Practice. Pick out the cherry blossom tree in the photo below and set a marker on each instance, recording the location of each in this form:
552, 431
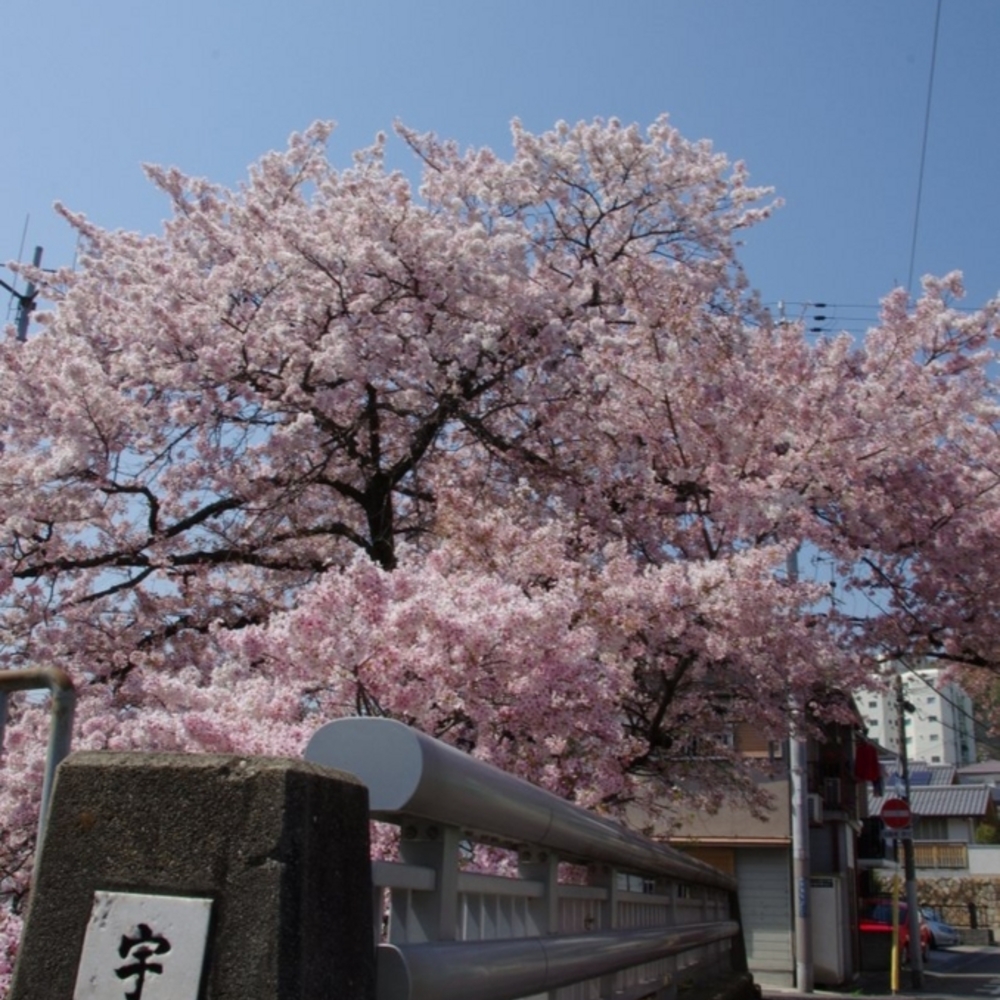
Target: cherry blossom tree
515, 457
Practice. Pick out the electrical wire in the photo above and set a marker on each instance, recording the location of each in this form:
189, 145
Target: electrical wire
959, 709
828, 318
923, 149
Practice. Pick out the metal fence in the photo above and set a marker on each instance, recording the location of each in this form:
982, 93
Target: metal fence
590, 909
58, 683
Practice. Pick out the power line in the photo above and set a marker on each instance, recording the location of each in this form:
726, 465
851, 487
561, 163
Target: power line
855, 318
868, 308
923, 148
959, 709
832, 305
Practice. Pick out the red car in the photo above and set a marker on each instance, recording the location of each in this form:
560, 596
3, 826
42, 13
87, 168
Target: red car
876, 917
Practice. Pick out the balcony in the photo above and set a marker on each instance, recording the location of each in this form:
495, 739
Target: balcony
835, 785
940, 854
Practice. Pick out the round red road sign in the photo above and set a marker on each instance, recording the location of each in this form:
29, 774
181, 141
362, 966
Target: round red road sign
896, 813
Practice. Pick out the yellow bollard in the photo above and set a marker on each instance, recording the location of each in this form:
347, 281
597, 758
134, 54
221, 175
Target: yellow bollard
894, 961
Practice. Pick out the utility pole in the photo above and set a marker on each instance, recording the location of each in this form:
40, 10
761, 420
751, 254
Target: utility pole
798, 779
909, 866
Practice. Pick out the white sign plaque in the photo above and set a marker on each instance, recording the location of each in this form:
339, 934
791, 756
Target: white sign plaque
140, 947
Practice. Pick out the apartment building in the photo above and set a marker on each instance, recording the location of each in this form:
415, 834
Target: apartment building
939, 728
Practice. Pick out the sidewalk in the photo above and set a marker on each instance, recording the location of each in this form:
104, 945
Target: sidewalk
940, 974
875, 985
872, 985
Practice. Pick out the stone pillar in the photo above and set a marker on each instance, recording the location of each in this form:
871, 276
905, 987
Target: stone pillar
200, 877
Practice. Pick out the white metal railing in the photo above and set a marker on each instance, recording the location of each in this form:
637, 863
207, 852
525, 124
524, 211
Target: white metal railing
646, 916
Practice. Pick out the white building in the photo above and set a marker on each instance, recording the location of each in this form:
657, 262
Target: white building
940, 728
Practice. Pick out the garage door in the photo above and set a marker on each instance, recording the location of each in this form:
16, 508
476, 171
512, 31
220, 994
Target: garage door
766, 909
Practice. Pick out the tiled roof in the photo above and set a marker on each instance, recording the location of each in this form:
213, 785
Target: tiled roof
923, 774
940, 800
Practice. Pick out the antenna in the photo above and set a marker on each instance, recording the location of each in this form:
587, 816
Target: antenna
20, 254
25, 299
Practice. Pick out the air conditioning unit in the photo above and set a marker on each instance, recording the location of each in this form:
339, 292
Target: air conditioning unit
815, 810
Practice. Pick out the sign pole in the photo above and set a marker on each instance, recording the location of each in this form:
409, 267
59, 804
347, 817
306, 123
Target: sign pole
909, 865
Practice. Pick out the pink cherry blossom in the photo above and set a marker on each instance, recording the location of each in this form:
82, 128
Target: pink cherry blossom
515, 457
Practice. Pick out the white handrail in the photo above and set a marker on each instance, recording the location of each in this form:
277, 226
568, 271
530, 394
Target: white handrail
410, 773
520, 936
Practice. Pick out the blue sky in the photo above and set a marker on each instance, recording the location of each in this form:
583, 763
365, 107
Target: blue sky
825, 101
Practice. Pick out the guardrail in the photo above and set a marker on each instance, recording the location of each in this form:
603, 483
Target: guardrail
646, 917
61, 725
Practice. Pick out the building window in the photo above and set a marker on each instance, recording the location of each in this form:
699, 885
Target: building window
932, 718
930, 828
934, 736
873, 704
935, 760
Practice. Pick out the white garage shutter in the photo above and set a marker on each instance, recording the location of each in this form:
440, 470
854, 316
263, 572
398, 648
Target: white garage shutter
766, 910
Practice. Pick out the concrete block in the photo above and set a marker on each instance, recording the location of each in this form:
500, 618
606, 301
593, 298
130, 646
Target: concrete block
279, 848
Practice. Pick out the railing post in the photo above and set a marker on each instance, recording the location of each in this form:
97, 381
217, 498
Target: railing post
60, 738
543, 867
435, 846
61, 726
606, 877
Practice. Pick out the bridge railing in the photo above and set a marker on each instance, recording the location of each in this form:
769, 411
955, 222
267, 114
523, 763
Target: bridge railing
591, 909
58, 683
